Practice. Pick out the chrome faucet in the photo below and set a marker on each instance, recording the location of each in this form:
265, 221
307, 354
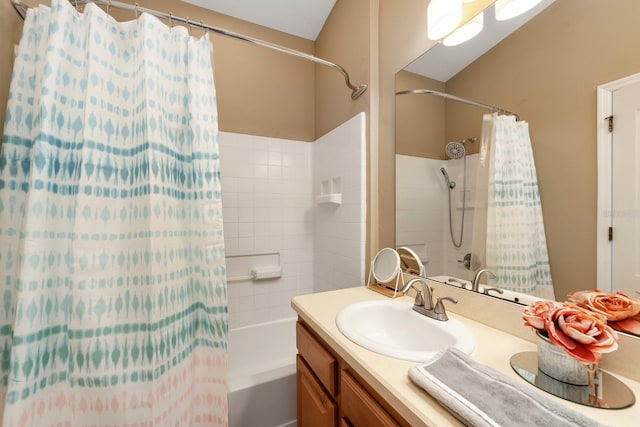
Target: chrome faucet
475, 286
423, 302
423, 294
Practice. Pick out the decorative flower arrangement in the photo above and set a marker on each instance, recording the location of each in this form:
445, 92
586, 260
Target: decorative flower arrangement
579, 332
622, 312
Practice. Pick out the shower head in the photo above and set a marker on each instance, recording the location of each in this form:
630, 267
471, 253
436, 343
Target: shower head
450, 184
455, 150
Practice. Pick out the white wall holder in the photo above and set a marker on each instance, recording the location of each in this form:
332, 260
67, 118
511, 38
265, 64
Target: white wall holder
329, 199
330, 192
253, 266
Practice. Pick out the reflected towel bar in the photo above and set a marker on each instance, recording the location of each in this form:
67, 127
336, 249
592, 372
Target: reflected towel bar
356, 91
457, 98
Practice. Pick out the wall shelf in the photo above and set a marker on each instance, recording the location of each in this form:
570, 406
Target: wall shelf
329, 199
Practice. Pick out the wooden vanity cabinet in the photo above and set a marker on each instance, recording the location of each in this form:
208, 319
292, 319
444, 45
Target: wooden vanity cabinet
358, 407
315, 407
330, 393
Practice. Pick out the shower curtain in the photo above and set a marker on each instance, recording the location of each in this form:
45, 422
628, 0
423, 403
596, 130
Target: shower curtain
113, 305
508, 229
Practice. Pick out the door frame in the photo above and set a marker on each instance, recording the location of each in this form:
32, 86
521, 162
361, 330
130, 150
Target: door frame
604, 215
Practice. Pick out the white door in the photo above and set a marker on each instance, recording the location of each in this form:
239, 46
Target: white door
625, 190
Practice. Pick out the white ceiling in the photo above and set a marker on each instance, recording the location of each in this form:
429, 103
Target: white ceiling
303, 18
443, 62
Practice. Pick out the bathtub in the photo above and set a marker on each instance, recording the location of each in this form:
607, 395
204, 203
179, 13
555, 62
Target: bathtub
262, 375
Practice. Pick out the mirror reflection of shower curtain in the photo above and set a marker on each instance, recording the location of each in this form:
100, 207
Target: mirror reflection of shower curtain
508, 229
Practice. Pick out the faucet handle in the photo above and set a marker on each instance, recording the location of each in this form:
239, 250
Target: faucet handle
419, 300
497, 290
439, 309
428, 297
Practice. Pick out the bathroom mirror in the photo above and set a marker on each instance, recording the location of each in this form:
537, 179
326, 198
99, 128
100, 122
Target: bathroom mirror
410, 262
548, 72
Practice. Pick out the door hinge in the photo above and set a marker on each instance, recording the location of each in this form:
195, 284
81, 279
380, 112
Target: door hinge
610, 119
610, 233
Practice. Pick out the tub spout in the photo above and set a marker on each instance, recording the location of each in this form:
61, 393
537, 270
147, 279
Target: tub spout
475, 286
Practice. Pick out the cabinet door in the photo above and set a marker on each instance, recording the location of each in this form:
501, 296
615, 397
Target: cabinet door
315, 407
317, 358
358, 408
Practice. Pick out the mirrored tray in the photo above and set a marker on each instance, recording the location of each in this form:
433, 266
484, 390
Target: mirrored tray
611, 393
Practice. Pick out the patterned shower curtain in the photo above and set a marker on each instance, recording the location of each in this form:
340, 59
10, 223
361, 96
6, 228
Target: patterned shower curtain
113, 305
508, 228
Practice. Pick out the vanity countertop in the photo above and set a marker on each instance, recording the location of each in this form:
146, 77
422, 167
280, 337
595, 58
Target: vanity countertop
389, 377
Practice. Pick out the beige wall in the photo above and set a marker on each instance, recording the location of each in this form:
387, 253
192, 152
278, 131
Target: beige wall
420, 119
548, 72
259, 91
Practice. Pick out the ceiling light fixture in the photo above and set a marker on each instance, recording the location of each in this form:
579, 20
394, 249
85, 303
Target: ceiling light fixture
507, 9
466, 32
443, 16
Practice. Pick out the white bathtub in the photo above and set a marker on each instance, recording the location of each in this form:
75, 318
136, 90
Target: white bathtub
261, 376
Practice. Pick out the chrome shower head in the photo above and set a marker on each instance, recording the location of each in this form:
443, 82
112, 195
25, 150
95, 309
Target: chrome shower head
454, 150
450, 184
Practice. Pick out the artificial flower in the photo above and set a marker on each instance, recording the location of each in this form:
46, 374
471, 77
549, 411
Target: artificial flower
582, 334
630, 325
615, 307
534, 314
622, 312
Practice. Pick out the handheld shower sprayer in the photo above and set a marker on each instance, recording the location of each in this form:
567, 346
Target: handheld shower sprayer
456, 150
450, 184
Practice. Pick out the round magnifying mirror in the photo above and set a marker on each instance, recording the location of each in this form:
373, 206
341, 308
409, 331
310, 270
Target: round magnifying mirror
386, 265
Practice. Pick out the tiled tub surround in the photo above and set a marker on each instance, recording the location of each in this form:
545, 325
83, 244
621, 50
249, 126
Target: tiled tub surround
269, 189
266, 201
422, 211
269, 192
340, 230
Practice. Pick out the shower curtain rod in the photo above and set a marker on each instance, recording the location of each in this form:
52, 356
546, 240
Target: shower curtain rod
356, 91
457, 98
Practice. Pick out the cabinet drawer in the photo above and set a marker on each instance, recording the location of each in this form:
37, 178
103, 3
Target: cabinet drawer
321, 362
315, 407
358, 408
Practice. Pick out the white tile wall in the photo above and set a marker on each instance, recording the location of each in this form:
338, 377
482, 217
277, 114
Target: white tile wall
422, 211
268, 199
339, 157
266, 203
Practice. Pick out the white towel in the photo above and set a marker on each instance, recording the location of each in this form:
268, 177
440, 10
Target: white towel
478, 395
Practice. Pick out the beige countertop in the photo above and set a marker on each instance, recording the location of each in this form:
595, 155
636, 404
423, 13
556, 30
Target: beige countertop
389, 376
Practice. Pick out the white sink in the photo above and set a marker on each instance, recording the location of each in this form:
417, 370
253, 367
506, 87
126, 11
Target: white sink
392, 328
